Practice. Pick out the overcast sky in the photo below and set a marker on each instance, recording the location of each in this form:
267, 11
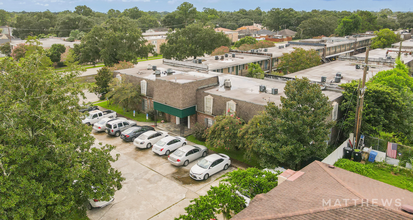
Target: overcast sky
222, 5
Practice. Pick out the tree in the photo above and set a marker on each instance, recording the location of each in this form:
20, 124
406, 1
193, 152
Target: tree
349, 25
76, 34
299, 59
19, 51
125, 94
114, 13
118, 39
33, 24
405, 19
187, 12
387, 104
173, 21
56, 51
368, 21
48, 165
4, 17
133, 13
193, 41
293, 132
68, 22
318, 26
83, 10
5, 49
220, 51
146, 22
245, 40
224, 132
389, 23
103, 79
278, 19
384, 38
255, 71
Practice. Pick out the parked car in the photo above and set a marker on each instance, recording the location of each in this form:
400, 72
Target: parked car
88, 108
96, 115
94, 203
101, 125
149, 138
168, 144
209, 166
130, 134
186, 154
115, 127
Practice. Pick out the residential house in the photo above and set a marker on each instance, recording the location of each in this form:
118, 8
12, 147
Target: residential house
252, 28
263, 34
321, 191
286, 33
246, 31
158, 29
222, 29
231, 34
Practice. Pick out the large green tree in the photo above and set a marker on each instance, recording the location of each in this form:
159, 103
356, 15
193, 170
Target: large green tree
67, 22
33, 24
193, 41
293, 132
297, 60
118, 39
245, 40
317, 26
387, 104
55, 52
47, 159
384, 38
5, 49
349, 25
278, 19
103, 79
83, 10
368, 21
224, 132
255, 71
125, 94
146, 22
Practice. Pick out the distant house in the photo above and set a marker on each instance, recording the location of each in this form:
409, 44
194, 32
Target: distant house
158, 29
320, 191
222, 29
251, 28
258, 26
286, 33
263, 33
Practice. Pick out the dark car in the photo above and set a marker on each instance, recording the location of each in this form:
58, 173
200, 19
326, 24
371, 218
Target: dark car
131, 133
88, 108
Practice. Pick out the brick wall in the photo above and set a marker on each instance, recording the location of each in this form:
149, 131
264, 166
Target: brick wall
180, 95
150, 87
201, 117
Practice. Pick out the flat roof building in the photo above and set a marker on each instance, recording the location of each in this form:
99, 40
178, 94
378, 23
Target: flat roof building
407, 44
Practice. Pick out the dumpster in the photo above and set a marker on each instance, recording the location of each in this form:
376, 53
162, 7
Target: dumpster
372, 156
347, 151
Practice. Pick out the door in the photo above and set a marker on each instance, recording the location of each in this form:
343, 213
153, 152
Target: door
236, 70
190, 155
214, 168
194, 154
125, 126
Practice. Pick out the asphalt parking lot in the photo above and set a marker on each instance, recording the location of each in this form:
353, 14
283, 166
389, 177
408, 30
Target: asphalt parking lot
153, 189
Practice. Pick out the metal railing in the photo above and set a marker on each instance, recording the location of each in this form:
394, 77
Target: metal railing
200, 67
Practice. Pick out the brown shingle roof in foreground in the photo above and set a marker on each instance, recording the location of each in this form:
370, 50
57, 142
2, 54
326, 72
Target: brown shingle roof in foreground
326, 193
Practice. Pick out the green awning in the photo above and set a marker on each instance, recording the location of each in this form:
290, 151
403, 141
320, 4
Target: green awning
181, 113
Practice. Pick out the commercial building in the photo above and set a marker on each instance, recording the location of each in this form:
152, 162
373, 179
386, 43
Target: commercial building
387, 57
407, 44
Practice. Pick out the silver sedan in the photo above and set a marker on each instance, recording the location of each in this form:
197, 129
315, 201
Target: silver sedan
184, 155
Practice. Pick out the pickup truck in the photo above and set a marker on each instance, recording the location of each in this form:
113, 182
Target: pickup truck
97, 115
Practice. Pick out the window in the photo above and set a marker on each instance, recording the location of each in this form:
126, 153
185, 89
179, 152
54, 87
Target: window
208, 102
100, 114
190, 152
334, 114
95, 116
195, 150
143, 87
231, 107
144, 105
120, 125
125, 123
229, 69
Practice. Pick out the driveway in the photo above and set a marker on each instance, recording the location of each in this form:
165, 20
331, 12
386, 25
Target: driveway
153, 189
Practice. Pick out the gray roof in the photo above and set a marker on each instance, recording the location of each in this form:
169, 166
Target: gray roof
286, 32
266, 32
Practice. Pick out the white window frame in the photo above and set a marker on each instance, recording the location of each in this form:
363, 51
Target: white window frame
208, 109
334, 113
231, 107
144, 87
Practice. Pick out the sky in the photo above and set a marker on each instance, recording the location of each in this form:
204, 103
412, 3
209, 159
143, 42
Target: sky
221, 5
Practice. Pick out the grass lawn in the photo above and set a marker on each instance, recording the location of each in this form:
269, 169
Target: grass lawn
392, 175
151, 58
138, 117
235, 154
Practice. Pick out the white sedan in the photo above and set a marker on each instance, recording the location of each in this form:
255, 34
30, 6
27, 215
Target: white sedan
168, 144
185, 155
149, 138
209, 166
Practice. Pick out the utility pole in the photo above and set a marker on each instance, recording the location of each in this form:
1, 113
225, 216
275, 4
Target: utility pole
360, 101
400, 50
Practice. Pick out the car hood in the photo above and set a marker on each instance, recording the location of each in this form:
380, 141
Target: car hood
197, 169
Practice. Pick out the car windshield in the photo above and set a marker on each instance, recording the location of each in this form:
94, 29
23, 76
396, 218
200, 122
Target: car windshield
143, 137
204, 163
130, 130
109, 126
161, 143
89, 116
179, 153
101, 122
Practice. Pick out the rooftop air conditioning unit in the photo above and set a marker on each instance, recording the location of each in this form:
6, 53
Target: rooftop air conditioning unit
287, 45
280, 47
216, 58
339, 75
263, 88
199, 61
226, 55
222, 57
227, 83
149, 67
323, 79
153, 68
233, 55
157, 73
337, 79
357, 66
194, 61
265, 50
252, 51
169, 71
274, 91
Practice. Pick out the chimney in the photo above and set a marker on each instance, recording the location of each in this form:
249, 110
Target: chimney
289, 175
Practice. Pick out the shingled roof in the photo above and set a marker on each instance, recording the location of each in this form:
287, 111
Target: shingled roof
286, 32
329, 193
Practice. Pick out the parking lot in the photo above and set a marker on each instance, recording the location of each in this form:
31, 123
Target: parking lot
153, 189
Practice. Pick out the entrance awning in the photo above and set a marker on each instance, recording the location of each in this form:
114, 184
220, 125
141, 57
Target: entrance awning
181, 113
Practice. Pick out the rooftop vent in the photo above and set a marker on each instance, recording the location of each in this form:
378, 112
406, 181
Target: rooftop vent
153, 68
280, 47
194, 61
339, 75
226, 55
216, 58
274, 91
357, 66
265, 50
323, 79
199, 61
149, 67
287, 45
157, 73
263, 88
227, 83
222, 57
233, 55
169, 71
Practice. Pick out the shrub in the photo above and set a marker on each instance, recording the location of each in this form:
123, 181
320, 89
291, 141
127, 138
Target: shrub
199, 131
151, 114
220, 51
60, 64
224, 132
263, 44
121, 65
70, 39
356, 167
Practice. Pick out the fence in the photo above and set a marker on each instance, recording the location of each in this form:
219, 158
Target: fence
336, 155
